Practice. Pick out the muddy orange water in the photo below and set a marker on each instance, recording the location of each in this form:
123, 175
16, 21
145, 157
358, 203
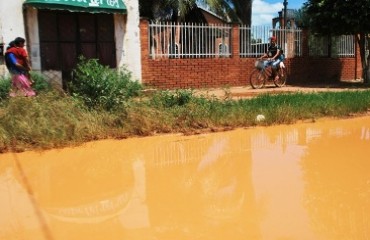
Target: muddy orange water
305, 181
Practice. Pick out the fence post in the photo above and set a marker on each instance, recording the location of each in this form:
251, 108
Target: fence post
235, 41
305, 50
144, 32
145, 48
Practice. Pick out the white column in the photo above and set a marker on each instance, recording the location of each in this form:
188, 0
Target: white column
131, 41
11, 25
11, 20
33, 38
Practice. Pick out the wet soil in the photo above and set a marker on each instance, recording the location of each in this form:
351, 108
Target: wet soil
242, 92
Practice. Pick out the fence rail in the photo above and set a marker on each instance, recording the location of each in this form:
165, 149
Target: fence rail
337, 46
254, 40
345, 46
183, 40
189, 40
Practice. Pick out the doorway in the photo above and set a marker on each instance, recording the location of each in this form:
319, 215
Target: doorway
64, 36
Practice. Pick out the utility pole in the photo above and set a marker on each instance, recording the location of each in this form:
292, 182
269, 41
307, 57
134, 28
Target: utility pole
285, 12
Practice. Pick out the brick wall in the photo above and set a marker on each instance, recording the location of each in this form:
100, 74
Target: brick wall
235, 71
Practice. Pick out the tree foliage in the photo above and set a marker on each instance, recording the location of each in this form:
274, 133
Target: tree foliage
301, 18
236, 10
232, 10
342, 17
339, 17
166, 10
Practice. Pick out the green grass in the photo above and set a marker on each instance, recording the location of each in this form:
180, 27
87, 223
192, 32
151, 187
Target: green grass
52, 120
103, 103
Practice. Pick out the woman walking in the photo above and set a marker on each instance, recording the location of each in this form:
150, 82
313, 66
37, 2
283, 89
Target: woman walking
17, 62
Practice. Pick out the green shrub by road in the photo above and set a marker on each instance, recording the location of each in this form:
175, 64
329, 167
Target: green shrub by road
53, 119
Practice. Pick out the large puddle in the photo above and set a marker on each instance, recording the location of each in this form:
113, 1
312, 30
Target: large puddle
305, 181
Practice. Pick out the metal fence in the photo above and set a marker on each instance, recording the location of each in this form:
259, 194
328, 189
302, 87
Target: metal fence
254, 40
190, 40
336, 46
182, 40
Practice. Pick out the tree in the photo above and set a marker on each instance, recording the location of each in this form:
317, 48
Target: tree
166, 10
300, 18
243, 10
335, 17
234, 10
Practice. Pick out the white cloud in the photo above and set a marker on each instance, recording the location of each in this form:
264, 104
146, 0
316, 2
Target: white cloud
263, 12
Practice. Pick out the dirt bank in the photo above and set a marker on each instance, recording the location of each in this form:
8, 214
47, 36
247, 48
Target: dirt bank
248, 92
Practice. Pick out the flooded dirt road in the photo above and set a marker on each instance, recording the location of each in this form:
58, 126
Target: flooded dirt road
307, 181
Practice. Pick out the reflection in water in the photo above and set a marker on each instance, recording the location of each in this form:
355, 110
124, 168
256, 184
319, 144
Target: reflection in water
365, 133
304, 181
278, 183
338, 184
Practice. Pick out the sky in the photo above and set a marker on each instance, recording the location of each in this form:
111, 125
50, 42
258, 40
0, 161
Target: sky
263, 11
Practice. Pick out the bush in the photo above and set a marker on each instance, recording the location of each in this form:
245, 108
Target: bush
5, 84
101, 87
39, 82
170, 99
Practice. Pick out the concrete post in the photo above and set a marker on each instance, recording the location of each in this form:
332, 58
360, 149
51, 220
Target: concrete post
131, 47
